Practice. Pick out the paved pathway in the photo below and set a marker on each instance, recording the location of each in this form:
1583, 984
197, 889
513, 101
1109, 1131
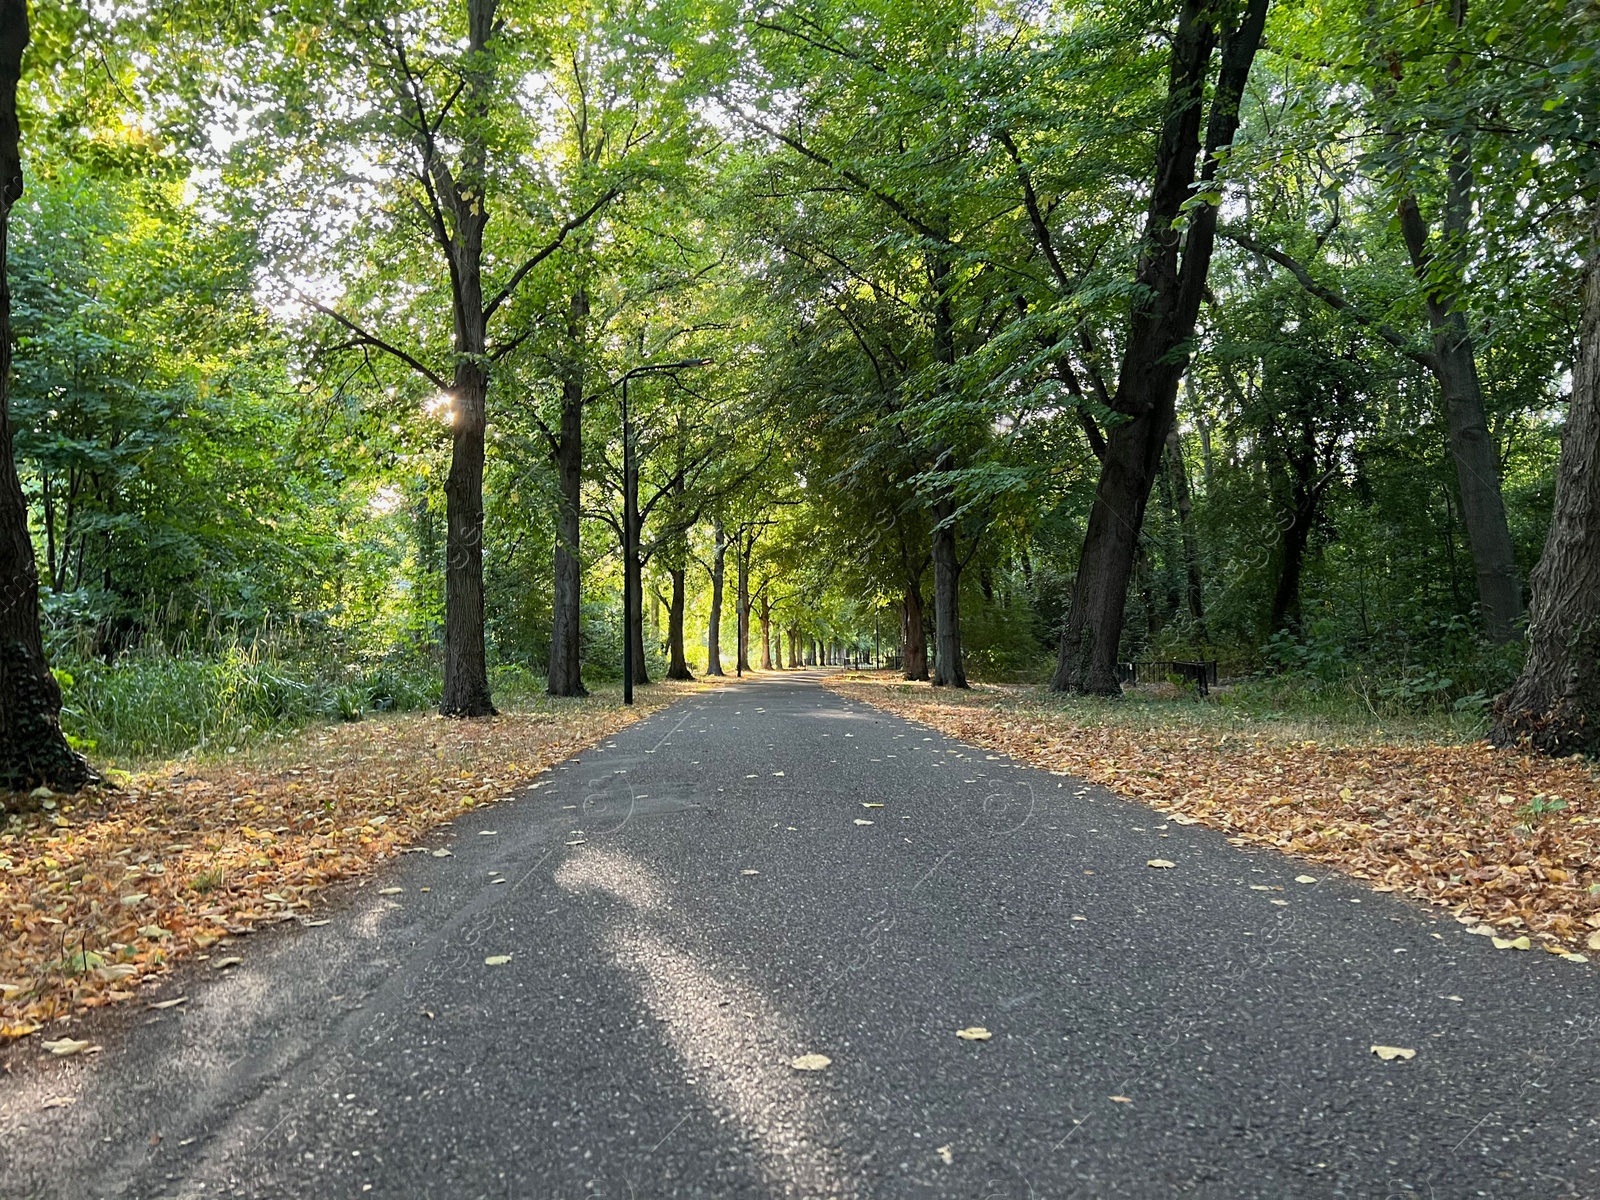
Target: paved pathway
700, 900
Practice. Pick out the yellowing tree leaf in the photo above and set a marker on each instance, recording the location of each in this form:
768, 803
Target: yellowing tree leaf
497, 960
1120, 1099
1593, 941
974, 1033
1305, 879
19, 1029
870, 804
390, 891
1516, 943
1390, 1053
811, 1062
1160, 863
946, 1154
222, 964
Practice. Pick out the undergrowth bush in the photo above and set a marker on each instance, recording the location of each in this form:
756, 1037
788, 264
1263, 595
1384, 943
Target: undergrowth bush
151, 703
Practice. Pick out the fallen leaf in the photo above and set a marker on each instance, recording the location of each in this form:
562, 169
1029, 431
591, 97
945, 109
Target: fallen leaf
870, 804
168, 1003
859, 821
1390, 1053
1482, 930
59, 1102
1121, 1099
1593, 940
1160, 863
222, 964
64, 1046
974, 1033
1516, 943
1259, 887
945, 1153
1305, 879
747, 871
442, 853
487, 832
20, 1029
811, 1062
1577, 958
497, 960
1281, 903
390, 891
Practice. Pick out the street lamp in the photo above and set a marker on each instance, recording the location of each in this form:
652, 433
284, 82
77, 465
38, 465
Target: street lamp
631, 589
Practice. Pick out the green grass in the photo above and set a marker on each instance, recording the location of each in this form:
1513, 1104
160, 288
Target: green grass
154, 705
1284, 708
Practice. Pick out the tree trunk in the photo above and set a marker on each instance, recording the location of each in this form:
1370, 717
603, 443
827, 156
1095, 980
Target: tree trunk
1171, 278
466, 668
742, 603
1455, 365
1555, 703
719, 570
566, 663
947, 665
33, 750
678, 668
794, 647
914, 657
1291, 559
766, 634
1191, 541
641, 672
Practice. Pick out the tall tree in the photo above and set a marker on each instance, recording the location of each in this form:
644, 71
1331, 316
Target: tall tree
33, 749
1174, 260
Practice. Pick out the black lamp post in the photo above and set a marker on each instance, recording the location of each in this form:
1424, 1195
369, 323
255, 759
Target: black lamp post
632, 599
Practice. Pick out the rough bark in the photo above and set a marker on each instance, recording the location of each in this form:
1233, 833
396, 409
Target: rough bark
766, 634
913, 638
678, 666
1455, 365
1555, 703
794, 647
33, 750
719, 571
641, 672
1194, 593
1303, 492
566, 662
742, 601
948, 670
1171, 277
466, 668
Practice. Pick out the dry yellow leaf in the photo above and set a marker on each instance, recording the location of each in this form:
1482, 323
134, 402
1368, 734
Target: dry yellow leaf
64, 1046
20, 1029
1121, 1099
1305, 879
1160, 863
391, 891
859, 821
974, 1033
59, 1102
870, 804
811, 1062
497, 960
1390, 1053
1593, 941
945, 1153
1516, 943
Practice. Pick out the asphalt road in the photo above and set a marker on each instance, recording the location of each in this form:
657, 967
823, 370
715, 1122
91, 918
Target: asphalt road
700, 900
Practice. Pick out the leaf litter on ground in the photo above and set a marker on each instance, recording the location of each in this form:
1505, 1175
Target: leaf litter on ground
105, 892
1454, 825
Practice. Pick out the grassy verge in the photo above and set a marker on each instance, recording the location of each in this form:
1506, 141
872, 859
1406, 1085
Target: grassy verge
102, 892
1509, 842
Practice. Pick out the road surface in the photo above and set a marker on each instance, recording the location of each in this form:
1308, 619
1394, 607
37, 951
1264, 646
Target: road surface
768, 871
